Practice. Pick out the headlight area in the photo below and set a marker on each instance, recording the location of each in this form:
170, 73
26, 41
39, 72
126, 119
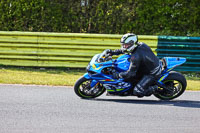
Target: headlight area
89, 71
88, 67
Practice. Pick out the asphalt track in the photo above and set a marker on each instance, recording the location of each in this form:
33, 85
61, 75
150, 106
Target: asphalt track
46, 109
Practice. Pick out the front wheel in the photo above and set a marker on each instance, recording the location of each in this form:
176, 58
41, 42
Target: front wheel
176, 85
82, 88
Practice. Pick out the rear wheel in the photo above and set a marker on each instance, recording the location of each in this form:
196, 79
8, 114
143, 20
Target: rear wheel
176, 85
82, 88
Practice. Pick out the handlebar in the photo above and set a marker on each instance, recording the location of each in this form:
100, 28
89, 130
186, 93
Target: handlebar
104, 57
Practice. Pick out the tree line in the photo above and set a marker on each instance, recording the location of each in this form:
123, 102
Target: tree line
149, 17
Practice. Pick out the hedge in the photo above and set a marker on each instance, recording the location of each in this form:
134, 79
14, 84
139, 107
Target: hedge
149, 17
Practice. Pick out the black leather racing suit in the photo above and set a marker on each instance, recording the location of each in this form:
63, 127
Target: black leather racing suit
143, 64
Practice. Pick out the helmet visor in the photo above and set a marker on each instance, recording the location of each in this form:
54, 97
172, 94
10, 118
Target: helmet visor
126, 45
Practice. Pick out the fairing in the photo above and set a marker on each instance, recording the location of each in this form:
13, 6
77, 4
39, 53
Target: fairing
174, 61
121, 64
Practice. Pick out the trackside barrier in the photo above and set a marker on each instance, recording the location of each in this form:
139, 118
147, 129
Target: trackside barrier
73, 50
181, 46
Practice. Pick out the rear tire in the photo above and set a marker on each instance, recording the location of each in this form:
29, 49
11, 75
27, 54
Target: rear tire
82, 88
176, 82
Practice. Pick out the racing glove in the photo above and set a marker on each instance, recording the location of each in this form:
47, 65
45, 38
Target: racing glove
108, 51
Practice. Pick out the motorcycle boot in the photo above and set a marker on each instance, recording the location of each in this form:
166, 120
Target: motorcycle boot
151, 90
138, 91
142, 87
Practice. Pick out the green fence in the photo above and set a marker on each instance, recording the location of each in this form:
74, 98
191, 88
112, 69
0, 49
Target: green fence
180, 46
72, 50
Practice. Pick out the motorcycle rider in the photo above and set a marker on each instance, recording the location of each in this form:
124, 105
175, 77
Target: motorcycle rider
144, 64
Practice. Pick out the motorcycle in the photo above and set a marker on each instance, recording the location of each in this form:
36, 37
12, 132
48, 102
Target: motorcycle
100, 69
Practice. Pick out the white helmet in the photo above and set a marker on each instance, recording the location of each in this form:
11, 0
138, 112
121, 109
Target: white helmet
128, 42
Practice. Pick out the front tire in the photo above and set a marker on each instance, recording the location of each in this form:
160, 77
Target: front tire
82, 88
176, 82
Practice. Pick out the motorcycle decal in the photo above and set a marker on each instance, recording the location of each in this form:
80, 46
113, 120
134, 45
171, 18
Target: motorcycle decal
108, 80
163, 77
94, 66
117, 87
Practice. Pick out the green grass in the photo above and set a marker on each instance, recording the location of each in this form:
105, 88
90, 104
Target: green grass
39, 76
59, 77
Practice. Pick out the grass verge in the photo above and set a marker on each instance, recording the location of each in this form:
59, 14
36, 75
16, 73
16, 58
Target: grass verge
39, 76
57, 77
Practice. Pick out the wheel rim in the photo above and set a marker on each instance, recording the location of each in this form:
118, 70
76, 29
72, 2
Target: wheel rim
174, 85
86, 91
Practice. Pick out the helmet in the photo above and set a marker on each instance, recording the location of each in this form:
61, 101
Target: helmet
128, 42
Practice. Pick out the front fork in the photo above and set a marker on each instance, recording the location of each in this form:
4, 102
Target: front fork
93, 83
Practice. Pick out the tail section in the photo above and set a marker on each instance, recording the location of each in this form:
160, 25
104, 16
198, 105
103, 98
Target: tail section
172, 62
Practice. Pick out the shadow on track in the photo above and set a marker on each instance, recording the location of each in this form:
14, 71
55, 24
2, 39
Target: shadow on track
179, 103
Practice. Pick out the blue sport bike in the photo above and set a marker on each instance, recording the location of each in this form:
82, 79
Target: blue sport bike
98, 78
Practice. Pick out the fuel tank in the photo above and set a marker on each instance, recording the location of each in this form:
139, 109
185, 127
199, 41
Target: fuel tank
122, 63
